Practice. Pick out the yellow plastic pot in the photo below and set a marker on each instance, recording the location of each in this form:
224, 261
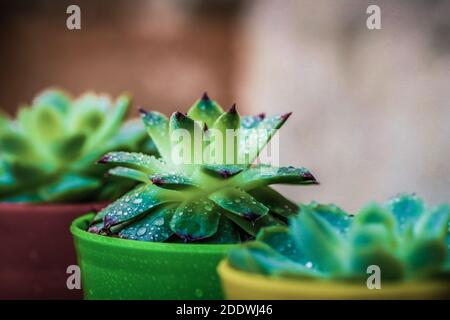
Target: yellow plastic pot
240, 285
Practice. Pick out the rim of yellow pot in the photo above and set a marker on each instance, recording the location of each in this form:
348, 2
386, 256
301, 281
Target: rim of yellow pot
239, 285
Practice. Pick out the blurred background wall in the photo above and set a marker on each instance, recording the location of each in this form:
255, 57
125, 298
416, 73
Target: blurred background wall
371, 110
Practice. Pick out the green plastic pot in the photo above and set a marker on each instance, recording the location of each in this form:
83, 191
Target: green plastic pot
113, 268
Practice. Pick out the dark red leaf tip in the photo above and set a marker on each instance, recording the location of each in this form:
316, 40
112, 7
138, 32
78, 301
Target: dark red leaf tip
179, 115
157, 181
233, 109
286, 116
104, 159
142, 111
308, 176
262, 115
205, 97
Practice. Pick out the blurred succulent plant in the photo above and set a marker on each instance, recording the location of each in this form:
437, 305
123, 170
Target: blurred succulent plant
403, 238
47, 154
206, 201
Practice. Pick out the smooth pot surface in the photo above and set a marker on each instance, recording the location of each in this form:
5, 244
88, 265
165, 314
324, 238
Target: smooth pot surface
240, 285
36, 248
114, 268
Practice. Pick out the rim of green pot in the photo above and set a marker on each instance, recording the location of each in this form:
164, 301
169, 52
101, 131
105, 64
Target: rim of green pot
79, 225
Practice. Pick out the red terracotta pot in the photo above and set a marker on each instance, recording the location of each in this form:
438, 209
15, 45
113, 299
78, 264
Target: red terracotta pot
36, 248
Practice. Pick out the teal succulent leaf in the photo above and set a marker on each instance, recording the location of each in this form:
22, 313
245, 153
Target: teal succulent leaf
329, 244
407, 209
259, 257
256, 132
262, 175
434, 222
194, 220
280, 239
154, 227
240, 203
335, 216
319, 241
133, 160
136, 202
173, 181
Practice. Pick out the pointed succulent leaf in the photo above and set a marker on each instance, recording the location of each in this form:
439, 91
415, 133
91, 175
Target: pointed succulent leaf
229, 120
157, 126
406, 209
137, 202
240, 203
319, 241
133, 160
205, 110
129, 173
172, 181
154, 227
226, 139
186, 137
224, 171
335, 216
252, 227
275, 201
195, 220
257, 132
261, 175
251, 122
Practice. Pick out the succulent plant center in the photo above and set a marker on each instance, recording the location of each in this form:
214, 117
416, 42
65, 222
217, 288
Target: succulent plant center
200, 197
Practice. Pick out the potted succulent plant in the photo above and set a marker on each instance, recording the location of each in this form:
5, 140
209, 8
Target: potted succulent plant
47, 179
327, 254
164, 239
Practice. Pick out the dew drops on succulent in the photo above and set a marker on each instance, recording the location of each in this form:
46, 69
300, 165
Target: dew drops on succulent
403, 237
201, 202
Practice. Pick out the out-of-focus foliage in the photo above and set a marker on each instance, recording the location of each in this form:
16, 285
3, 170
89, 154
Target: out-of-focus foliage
48, 153
402, 237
